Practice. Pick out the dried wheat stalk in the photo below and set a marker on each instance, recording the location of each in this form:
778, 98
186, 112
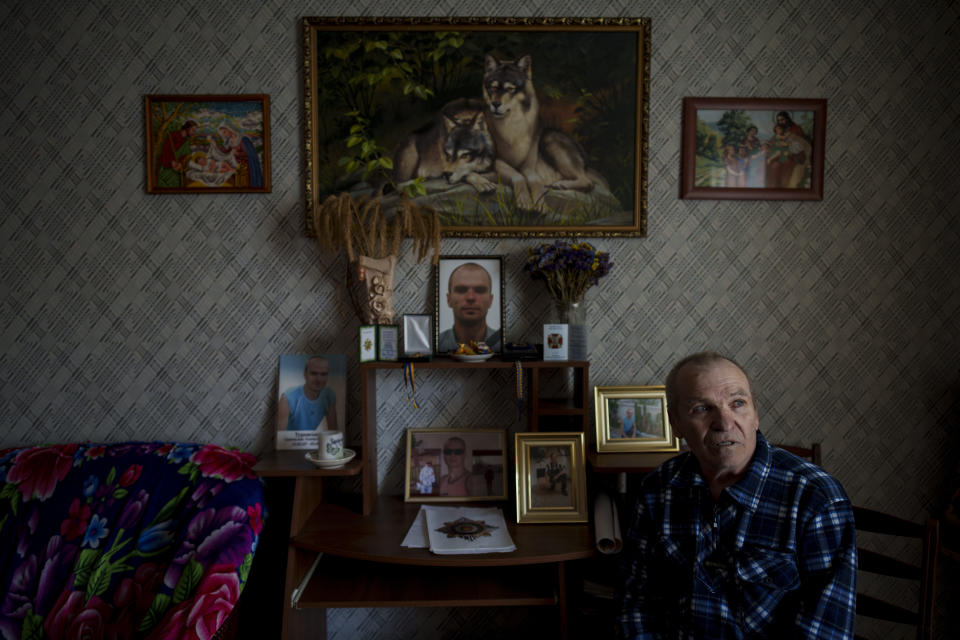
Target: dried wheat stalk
359, 227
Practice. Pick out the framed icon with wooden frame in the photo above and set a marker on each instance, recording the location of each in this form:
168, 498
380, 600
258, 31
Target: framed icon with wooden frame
551, 477
455, 465
633, 418
753, 148
208, 143
544, 119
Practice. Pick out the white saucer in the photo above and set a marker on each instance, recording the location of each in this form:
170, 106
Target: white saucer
348, 455
480, 357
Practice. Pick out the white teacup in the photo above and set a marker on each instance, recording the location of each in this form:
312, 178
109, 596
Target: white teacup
330, 445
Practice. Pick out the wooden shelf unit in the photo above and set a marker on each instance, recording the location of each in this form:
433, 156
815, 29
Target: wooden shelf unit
341, 557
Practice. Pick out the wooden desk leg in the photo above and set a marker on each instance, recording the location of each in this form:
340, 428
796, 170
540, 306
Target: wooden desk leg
562, 597
302, 623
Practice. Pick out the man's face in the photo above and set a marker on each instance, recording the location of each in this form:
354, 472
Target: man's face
453, 453
714, 411
469, 296
316, 374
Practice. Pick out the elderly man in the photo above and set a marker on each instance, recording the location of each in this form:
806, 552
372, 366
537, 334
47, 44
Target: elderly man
469, 296
736, 538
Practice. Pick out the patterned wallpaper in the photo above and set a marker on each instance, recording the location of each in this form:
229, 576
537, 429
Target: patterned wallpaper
126, 315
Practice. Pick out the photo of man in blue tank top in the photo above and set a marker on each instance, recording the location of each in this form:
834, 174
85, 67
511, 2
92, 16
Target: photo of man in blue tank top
304, 407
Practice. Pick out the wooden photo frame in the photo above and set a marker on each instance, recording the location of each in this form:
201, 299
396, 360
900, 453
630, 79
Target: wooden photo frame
753, 148
450, 112
633, 418
208, 143
551, 477
464, 287
455, 465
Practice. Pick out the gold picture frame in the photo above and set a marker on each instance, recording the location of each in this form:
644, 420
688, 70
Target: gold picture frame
455, 465
551, 477
633, 419
383, 96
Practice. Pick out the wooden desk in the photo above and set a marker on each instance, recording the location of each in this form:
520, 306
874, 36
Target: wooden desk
339, 557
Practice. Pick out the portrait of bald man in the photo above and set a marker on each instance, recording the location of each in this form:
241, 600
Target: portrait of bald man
469, 302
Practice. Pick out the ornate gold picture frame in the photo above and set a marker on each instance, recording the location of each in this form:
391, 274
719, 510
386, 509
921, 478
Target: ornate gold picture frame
505, 127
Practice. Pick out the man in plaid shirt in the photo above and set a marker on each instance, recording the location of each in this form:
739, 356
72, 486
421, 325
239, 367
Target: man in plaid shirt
737, 538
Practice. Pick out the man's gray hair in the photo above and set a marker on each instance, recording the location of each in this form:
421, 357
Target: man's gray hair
701, 359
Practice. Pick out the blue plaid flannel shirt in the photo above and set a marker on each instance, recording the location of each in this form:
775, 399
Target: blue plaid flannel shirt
774, 557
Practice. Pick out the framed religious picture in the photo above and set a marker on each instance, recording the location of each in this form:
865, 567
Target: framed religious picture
311, 397
455, 465
633, 419
551, 478
208, 143
468, 299
459, 115
753, 148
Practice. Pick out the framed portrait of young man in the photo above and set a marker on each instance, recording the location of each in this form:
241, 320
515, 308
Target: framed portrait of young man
469, 302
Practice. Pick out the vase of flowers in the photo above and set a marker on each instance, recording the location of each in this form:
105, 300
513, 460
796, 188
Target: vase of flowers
568, 269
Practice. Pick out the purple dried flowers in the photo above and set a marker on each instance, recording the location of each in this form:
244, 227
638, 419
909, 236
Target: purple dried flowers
567, 268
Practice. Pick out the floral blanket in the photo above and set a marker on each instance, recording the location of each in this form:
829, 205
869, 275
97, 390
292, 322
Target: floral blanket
128, 540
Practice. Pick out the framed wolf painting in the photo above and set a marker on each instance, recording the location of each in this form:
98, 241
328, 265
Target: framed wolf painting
505, 127
208, 143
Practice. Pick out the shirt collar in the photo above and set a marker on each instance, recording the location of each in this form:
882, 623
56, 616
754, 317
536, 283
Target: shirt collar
746, 491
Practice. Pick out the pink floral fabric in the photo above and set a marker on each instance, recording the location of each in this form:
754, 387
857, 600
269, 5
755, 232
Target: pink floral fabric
127, 540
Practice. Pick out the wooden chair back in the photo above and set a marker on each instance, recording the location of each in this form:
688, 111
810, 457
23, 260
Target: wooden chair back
922, 570
811, 453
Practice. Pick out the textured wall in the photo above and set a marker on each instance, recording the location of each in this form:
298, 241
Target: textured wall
125, 315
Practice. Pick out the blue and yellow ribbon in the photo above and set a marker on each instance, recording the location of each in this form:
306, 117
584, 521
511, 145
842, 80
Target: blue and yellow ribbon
409, 379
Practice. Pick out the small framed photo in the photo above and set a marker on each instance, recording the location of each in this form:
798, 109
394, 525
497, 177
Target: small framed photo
633, 419
388, 342
368, 343
455, 465
311, 397
208, 143
753, 148
551, 479
417, 336
469, 302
